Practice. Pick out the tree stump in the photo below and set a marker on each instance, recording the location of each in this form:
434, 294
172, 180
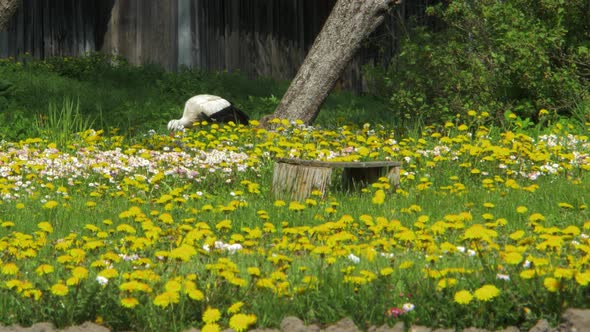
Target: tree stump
295, 179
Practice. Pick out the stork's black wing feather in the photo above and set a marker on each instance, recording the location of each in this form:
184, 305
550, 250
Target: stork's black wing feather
230, 113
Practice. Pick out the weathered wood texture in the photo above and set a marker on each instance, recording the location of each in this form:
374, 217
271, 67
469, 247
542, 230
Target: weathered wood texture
295, 178
44, 28
143, 31
296, 182
257, 37
7, 9
341, 164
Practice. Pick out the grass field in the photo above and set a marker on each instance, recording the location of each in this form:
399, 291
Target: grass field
137, 229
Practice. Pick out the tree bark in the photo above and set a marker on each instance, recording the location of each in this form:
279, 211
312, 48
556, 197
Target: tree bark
7, 9
349, 23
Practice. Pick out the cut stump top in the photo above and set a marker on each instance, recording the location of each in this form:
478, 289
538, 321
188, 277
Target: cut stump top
297, 179
340, 164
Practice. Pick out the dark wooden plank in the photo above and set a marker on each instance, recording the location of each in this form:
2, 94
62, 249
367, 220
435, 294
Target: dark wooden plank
19, 35
195, 41
258, 37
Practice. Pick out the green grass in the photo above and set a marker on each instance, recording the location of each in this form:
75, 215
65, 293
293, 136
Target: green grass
137, 99
92, 200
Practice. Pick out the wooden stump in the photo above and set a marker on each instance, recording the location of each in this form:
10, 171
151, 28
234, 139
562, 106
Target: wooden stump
295, 179
296, 182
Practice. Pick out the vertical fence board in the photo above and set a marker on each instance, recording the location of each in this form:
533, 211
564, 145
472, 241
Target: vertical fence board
257, 37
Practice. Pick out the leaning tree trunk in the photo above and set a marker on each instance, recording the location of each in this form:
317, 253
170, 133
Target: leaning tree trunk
349, 23
7, 9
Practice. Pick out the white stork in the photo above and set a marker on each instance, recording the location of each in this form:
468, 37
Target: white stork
207, 108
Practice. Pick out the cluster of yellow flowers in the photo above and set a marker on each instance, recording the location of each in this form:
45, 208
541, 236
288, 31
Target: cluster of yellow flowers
150, 239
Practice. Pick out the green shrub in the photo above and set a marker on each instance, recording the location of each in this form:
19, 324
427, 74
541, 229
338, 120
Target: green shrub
492, 55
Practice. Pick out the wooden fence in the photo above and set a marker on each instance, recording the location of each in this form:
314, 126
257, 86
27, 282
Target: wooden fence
258, 37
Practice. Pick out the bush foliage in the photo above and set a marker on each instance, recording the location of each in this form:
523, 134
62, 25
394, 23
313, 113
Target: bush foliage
495, 56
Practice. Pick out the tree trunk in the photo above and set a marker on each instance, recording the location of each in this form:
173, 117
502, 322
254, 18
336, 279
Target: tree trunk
7, 9
349, 23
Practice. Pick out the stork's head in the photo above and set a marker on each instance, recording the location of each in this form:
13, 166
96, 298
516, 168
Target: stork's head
175, 125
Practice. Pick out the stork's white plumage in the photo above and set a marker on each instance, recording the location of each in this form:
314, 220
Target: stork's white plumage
209, 108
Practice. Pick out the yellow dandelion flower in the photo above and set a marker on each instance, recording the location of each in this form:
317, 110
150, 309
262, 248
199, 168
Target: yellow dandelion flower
487, 216
379, 197
486, 292
77, 255
527, 274
446, 283
173, 286
311, 202
167, 298
14, 283
478, 231
571, 230
80, 272
296, 206
183, 253
237, 281
59, 290
551, 284
241, 322
254, 271
129, 302
517, 235
386, 271
72, 281
211, 315
583, 278
521, 209
7, 224
50, 204
196, 295
10, 269
235, 308
565, 205
126, 228
406, 265
44, 269
211, 328
188, 285
108, 273
563, 273
45, 226
33, 293
224, 224
317, 193
134, 285
463, 297
513, 258
536, 217
265, 283
166, 218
